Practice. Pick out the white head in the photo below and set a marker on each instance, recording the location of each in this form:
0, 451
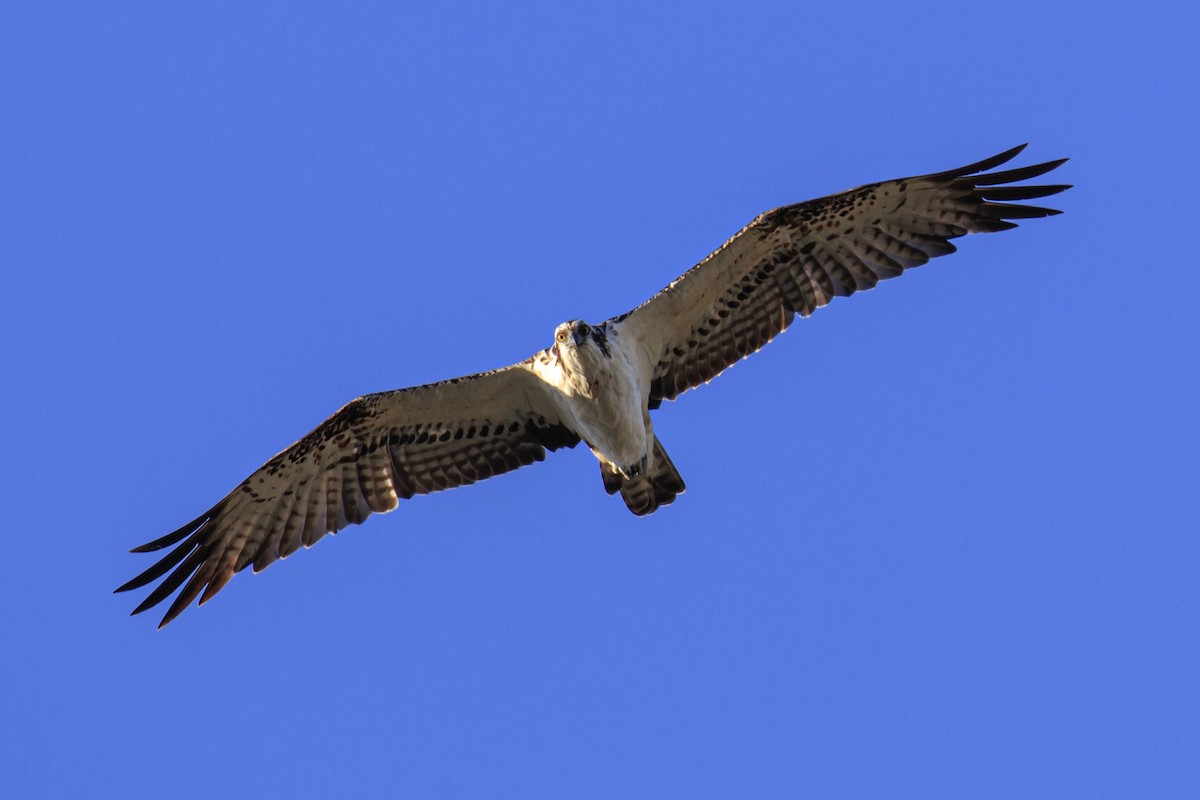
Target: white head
577, 344
577, 335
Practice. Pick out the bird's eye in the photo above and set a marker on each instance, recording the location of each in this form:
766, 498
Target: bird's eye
562, 336
584, 328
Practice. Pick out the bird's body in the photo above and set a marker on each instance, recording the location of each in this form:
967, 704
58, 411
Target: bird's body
601, 391
595, 383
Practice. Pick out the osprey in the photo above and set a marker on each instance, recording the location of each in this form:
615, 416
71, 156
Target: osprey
595, 383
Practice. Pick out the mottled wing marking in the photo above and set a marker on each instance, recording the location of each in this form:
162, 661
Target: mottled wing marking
797, 258
374, 452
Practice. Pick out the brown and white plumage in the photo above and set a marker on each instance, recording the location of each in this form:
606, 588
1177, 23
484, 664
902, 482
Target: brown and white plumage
375, 451
795, 259
595, 384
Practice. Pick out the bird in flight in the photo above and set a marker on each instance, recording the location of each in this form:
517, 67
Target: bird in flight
595, 384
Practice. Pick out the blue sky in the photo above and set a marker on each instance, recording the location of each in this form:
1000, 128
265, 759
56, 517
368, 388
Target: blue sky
938, 539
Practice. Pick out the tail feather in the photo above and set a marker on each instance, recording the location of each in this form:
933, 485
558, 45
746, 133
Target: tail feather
644, 493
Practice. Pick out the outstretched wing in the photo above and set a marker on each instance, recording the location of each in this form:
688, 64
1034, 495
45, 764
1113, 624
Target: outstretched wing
797, 258
375, 451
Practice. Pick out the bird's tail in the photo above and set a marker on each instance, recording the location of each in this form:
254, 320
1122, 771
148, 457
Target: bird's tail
644, 493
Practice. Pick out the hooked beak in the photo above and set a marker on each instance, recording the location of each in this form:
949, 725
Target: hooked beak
579, 336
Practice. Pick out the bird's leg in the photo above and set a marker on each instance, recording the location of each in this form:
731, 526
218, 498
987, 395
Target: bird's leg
634, 470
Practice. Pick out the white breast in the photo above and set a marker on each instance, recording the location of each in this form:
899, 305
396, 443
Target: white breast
613, 421
607, 405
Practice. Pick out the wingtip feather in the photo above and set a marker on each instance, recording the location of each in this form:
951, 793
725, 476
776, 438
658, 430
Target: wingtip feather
179, 533
985, 164
1016, 174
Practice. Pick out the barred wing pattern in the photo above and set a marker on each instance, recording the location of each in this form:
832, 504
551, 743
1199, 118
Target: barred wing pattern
796, 258
374, 452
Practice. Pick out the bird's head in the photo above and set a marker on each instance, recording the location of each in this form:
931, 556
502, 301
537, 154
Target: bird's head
572, 334
576, 339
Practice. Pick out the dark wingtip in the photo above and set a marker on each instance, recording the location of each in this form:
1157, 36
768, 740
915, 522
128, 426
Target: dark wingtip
145, 604
177, 534
971, 172
1000, 158
981, 166
1016, 174
195, 557
1009, 155
1002, 193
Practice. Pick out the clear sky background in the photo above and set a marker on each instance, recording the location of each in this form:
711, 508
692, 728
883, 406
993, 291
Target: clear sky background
938, 540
